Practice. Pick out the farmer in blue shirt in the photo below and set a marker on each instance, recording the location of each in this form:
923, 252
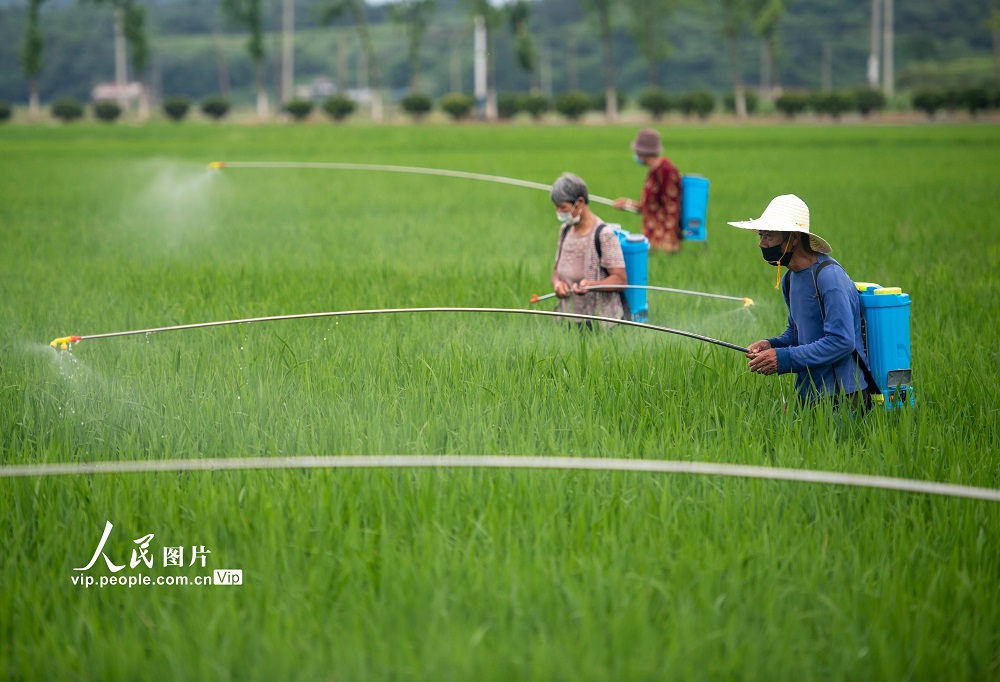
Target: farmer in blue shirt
822, 343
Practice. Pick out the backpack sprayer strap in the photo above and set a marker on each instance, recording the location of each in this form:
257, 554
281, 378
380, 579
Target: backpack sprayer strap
860, 361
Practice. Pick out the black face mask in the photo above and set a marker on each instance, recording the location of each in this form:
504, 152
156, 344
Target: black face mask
777, 254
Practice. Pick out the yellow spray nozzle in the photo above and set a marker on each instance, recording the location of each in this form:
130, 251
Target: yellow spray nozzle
63, 342
748, 303
216, 165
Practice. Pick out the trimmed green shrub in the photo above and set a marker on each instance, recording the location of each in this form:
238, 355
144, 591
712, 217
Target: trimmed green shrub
509, 104
928, 100
5, 110
215, 106
299, 108
953, 99
417, 105
107, 111
791, 103
458, 105
67, 109
868, 100
993, 95
573, 104
975, 99
699, 102
751, 98
176, 107
339, 106
834, 103
657, 102
536, 105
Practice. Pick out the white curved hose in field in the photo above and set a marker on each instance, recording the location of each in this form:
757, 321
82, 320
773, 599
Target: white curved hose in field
503, 462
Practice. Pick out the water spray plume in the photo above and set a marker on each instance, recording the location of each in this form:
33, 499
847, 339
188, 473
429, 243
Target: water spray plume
62, 343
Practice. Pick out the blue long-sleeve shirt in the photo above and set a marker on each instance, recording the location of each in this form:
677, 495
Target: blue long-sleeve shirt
819, 348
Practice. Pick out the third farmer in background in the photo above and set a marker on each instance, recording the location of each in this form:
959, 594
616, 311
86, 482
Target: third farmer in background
661, 194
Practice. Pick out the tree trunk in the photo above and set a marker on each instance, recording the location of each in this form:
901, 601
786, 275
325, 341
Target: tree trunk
888, 66
121, 75
545, 73
287, 50
652, 63
610, 92
378, 114
262, 108
343, 73
143, 102
491, 87
34, 108
772, 49
766, 88
873, 65
739, 95
826, 68
414, 58
456, 71
996, 49
479, 68
573, 78
220, 63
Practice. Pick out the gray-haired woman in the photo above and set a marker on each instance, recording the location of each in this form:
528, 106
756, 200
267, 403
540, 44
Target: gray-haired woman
588, 254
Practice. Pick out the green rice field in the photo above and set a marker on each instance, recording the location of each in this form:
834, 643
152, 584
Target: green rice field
477, 574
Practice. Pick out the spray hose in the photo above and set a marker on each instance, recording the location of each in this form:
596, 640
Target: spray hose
411, 170
64, 343
747, 302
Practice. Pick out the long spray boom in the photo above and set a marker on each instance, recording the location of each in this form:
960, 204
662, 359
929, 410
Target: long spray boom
412, 170
747, 302
64, 342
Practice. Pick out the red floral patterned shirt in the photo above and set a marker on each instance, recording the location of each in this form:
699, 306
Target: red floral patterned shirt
661, 207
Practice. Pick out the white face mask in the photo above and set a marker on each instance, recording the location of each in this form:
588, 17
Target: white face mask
567, 217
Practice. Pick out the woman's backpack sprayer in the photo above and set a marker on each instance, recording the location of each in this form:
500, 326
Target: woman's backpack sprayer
885, 329
635, 249
694, 208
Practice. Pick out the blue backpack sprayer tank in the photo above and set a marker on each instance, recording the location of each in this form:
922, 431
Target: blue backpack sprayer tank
885, 320
635, 249
694, 208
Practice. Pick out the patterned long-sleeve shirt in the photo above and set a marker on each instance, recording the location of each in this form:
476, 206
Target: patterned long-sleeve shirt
661, 207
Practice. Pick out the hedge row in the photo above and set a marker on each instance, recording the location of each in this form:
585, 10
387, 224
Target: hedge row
574, 104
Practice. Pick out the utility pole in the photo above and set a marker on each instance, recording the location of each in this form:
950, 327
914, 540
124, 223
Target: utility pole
888, 77
873, 63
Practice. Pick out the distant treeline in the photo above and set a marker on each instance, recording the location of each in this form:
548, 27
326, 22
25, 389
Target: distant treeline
194, 51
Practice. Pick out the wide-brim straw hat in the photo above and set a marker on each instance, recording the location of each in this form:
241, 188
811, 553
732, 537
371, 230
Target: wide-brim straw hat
647, 141
786, 213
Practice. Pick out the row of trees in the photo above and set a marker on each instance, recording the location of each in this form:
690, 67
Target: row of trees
646, 20
575, 104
